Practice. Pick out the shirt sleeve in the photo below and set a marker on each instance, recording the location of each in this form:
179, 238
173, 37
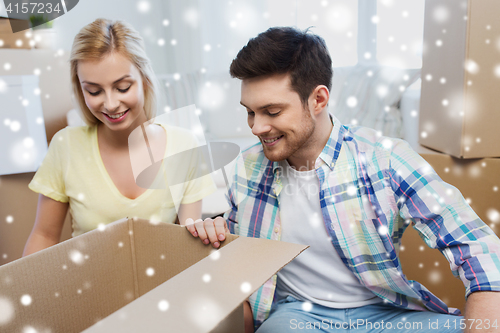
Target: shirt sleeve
49, 179
444, 220
232, 198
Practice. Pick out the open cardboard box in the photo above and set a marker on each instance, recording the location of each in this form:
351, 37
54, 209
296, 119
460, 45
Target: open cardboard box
135, 276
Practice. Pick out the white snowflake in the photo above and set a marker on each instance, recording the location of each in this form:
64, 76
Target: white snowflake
351, 190
307, 306
143, 6
387, 143
215, 255
382, 230
351, 101
150, 271
76, 257
497, 71
382, 91
471, 66
15, 126
435, 277
493, 215
192, 17
163, 305
441, 14
246, 287
26, 300
340, 18
29, 329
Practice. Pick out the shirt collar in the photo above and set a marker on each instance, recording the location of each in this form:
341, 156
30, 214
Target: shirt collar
331, 151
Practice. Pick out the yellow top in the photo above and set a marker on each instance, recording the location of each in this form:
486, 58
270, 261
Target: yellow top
73, 172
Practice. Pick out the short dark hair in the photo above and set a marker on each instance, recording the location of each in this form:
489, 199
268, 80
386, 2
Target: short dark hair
281, 50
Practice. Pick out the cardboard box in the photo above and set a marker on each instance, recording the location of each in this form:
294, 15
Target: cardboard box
8, 38
115, 277
477, 180
459, 108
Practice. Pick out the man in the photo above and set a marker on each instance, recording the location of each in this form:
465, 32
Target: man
349, 194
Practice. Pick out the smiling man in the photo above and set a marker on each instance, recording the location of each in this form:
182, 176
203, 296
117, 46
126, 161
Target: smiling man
349, 194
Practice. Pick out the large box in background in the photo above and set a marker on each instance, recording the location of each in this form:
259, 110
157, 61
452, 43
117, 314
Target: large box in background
118, 273
477, 179
459, 108
479, 182
8, 39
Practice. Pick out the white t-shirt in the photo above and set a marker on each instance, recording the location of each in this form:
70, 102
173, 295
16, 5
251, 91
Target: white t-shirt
73, 172
318, 274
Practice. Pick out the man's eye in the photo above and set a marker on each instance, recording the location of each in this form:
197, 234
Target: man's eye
94, 93
274, 114
124, 90
251, 113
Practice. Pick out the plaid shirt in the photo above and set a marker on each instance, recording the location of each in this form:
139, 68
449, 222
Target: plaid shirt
371, 189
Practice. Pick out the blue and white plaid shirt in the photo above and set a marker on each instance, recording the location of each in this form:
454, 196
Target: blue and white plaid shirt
371, 188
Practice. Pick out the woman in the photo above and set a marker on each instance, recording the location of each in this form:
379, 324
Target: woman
88, 169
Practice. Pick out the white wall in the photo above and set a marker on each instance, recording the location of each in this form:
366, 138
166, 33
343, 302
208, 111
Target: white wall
148, 23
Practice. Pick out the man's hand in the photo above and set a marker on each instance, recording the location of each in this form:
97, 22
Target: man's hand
481, 312
209, 231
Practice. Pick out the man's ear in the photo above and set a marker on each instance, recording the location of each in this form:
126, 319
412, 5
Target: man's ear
318, 99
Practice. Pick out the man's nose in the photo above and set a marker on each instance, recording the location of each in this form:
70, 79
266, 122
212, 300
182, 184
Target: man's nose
260, 126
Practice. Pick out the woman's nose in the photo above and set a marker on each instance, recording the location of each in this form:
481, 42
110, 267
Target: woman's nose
111, 102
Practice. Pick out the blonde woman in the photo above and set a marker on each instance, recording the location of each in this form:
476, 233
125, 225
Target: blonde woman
88, 169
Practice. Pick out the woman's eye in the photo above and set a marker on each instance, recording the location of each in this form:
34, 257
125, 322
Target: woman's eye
124, 90
94, 93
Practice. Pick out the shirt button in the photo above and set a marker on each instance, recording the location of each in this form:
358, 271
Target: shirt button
276, 229
266, 301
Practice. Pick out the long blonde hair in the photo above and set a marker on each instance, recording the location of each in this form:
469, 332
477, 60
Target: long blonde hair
101, 38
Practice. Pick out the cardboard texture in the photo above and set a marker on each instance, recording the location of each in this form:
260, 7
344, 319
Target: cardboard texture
115, 277
461, 117
9, 38
477, 180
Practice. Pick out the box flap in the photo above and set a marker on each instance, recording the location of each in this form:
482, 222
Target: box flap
197, 299
69, 286
163, 250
